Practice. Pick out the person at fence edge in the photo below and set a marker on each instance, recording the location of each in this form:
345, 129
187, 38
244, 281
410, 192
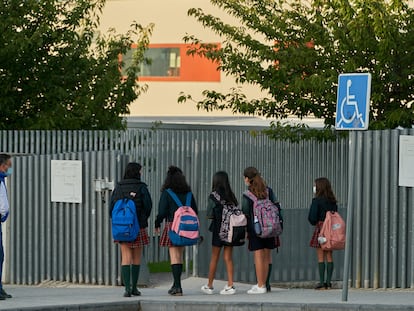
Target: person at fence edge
131, 186
221, 191
324, 200
262, 247
175, 181
5, 170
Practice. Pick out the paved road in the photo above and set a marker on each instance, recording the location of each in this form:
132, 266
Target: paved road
63, 296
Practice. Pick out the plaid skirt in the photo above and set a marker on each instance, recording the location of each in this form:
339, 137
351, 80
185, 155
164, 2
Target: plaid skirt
314, 240
165, 239
141, 240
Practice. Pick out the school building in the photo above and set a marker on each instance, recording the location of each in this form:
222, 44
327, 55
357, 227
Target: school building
172, 71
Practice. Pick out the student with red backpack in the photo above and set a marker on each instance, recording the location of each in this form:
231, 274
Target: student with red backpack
261, 246
175, 187
324, 200
222, 202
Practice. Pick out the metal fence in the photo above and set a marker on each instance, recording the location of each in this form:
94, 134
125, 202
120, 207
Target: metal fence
71, 241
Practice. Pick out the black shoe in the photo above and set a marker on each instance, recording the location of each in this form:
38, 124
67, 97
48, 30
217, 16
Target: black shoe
135, 292
2, 298
4, 294
127, 294
268, 288
175, 291
328, 285
320, 286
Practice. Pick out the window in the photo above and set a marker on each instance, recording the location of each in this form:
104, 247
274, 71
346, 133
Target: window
169, 62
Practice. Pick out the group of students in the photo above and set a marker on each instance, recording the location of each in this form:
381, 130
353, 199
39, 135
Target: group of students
132, 186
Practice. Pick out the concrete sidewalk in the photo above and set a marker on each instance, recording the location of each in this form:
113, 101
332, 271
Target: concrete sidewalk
76, 297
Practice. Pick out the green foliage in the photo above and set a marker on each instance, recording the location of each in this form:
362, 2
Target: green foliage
299, 132
58, 72
295, 50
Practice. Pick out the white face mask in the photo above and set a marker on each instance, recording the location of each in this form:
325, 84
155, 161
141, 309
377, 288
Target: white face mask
314, 189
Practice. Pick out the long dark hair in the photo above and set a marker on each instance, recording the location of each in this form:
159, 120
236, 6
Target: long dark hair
221, 185
132, 171
176, 181
257, 184
324, 189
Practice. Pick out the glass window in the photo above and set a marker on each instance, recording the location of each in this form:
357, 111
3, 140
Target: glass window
163, 62
170, 62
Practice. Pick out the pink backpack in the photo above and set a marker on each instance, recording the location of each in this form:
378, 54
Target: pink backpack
333, 230
185, 227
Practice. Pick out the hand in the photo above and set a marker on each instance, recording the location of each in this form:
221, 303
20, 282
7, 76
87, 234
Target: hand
157, 231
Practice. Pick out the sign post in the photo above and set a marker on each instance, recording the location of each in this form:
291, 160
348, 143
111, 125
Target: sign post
352, 113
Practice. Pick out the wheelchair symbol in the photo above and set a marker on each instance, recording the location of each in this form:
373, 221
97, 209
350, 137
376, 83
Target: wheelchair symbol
349, 108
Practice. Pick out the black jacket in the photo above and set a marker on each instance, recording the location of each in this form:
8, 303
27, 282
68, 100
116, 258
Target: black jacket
318, 210
142, 199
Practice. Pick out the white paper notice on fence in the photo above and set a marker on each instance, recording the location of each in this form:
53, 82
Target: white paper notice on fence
66, 181
406, 165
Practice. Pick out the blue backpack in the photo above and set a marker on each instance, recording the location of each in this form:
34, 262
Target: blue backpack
125, 226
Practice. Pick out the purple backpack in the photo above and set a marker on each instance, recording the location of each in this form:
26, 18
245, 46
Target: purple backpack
266, 217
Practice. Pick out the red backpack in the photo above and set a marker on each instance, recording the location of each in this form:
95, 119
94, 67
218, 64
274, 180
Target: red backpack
333, 230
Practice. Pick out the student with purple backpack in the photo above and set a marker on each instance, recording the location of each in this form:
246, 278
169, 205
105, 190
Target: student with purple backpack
261, 246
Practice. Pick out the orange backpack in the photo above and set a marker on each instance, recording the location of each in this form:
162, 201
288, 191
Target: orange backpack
333, 230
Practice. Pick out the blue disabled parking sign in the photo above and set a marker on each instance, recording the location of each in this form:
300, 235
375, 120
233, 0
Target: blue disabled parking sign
352, 106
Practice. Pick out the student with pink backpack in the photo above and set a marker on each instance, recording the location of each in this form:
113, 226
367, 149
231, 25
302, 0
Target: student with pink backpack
222, 208
176, 196
324, 201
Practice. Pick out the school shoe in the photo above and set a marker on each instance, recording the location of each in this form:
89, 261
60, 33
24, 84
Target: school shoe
328, 285
268, 288
127, 294
257, 290
175, 291
321, 286
135, 292
4, 294
207, 290
228, 290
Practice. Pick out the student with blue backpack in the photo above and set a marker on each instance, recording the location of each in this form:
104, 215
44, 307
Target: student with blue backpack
132, 199
176, 196
261, 246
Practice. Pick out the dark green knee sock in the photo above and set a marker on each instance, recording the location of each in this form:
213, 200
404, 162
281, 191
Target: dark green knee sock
329, 271
126, 277
135, 275
269, 273
177, 269
321, 266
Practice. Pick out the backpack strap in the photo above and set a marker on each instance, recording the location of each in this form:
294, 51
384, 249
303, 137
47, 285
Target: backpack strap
216, 198
177, 200
188, 199
251, 196
174, 197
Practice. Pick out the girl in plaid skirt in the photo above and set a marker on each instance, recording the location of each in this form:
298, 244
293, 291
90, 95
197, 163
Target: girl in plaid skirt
175, 181
131, 186
323, 201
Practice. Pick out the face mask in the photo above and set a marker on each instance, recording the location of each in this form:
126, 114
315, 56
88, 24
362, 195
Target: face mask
9, 171
314, 189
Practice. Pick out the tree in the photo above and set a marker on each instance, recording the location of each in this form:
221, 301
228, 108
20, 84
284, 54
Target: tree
58, 72
295, 50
